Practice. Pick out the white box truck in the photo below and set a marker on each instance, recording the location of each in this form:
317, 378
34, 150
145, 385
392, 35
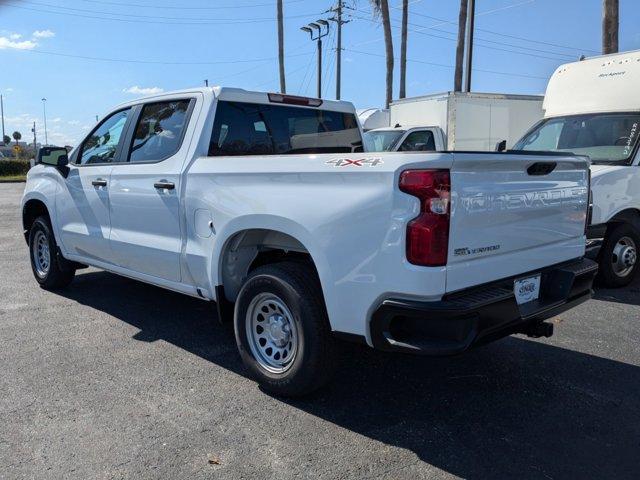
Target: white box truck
466, 121
592, 108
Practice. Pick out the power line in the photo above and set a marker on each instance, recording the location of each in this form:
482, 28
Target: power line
509, 74
180, 22
173, 7
153, 62
444, 21
420, 32
515, 37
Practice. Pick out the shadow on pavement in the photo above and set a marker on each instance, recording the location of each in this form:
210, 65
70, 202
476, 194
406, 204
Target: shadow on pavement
517, 408
629, 295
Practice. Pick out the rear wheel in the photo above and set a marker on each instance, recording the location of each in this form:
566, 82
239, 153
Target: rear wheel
49, 268
619, 256
282, 330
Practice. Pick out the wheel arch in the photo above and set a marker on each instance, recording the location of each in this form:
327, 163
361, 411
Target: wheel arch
248, 248
628, 215
32, 209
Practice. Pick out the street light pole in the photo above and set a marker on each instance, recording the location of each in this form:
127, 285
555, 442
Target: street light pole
318, 30
44, 111
2, 114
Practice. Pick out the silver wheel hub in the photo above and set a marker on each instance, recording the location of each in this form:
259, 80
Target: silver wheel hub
624, 257
271, 332
41, 254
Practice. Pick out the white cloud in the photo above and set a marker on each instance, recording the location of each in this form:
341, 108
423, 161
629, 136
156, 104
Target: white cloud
73, 122
7, 42
43, 34
56, 120
136, 90
15, 36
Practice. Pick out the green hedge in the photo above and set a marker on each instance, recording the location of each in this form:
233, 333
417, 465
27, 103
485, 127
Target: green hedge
13, 167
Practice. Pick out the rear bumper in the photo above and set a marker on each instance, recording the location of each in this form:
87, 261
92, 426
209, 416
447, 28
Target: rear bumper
480, 314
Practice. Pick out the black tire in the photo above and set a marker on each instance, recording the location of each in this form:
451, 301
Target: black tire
607, 257
316, 354
59, 272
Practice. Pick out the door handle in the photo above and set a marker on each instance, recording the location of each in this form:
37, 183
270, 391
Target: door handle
99, 182
163, 184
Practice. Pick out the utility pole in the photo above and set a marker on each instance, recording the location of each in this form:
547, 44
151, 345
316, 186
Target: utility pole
339, 22
610, 24
469, 63
462, 36
321, 29
35, 143
44, 111
2, 114
283, 83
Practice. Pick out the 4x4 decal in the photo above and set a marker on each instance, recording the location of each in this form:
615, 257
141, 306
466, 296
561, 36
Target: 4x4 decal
361, 162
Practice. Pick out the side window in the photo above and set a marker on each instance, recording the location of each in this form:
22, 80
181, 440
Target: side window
420, 140
159, 131
266, 129
240, 129
102, 144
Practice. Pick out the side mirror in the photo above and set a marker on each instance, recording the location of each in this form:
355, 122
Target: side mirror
501, 146
53, 156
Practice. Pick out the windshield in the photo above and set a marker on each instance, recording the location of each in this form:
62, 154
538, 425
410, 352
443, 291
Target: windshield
381, 140
604, 137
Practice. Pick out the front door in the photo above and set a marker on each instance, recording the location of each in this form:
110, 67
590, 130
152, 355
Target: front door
82, 202
146, 235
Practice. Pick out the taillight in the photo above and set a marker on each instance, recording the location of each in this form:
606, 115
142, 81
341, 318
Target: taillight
428, 233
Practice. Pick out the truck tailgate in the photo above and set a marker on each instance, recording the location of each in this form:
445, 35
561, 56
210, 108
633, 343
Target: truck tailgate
513, 213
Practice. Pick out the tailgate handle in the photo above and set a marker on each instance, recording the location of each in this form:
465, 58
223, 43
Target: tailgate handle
542, 168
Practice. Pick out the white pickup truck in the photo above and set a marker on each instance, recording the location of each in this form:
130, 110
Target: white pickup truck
592, 108
263, 204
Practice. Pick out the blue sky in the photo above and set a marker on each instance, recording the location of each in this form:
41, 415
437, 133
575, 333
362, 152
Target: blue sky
59, 50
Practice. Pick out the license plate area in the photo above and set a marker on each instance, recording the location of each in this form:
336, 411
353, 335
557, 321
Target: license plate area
527, 289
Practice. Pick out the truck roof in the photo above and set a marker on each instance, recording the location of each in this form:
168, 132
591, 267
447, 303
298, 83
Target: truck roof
242, 95
606, 83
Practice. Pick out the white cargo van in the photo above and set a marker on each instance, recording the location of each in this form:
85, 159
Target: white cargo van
592, 107
465, 121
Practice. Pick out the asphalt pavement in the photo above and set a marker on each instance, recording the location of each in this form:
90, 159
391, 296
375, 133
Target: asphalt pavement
113, 378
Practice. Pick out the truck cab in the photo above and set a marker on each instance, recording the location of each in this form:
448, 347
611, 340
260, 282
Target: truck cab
592, 108
404, 139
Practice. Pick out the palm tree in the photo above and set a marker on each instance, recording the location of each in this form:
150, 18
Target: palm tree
381, 7
6, 139
283, 86
403, 49
17, 136
462, 30
610, 13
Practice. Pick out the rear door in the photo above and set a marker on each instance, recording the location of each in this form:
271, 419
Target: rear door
512, 214
146, 231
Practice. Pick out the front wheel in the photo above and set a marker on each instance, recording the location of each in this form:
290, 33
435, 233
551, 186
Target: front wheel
619, 255
282, 330
50, 270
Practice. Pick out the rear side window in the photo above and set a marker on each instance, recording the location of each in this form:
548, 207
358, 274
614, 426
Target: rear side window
257, 129
420, 140
159, 131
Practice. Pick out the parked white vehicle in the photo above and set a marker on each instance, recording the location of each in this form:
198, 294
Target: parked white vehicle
592, 107
262, 203
404, 139
470, 121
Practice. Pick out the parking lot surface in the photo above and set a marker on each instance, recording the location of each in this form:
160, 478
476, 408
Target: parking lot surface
113, 378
